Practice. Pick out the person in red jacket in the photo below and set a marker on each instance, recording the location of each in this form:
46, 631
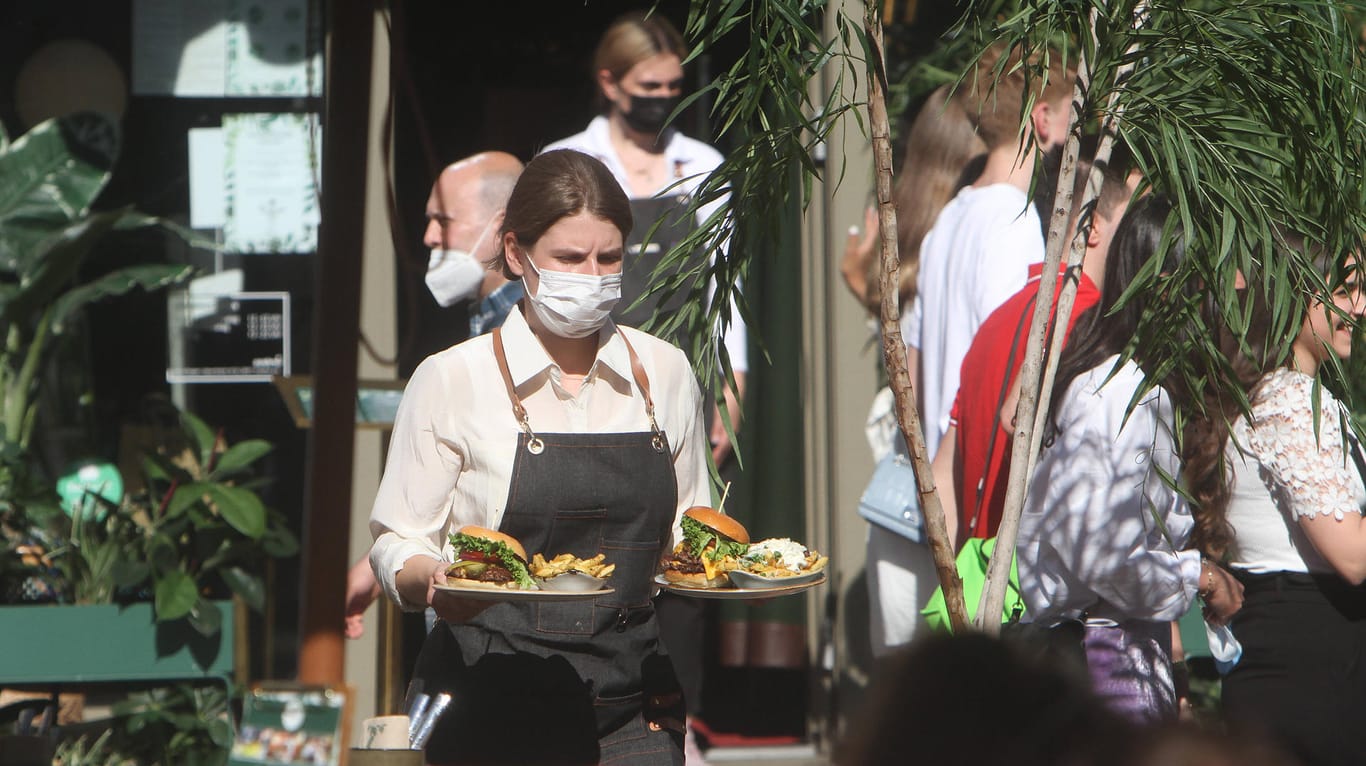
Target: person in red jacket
974, 456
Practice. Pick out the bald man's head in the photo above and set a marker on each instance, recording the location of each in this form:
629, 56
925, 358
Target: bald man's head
465, 209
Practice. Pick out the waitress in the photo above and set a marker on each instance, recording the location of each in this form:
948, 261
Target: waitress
573, 435
638, 71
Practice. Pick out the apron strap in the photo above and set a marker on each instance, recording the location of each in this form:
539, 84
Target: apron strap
638, 372
534, 444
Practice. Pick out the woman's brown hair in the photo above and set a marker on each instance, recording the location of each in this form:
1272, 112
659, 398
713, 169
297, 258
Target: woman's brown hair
940, 144
556, 185
1231, 388
631, 39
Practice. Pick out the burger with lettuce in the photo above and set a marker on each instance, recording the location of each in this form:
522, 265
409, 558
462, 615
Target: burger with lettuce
490, 559
712, 544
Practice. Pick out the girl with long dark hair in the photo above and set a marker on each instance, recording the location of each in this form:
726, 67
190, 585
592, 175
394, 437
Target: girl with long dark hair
1103, 535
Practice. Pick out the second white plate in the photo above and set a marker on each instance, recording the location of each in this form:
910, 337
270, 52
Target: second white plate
738, 593
503, 594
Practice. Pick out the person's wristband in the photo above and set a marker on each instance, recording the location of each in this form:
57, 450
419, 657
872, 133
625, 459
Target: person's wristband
1207, 574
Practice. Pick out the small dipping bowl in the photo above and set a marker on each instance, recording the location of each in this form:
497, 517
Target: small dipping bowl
573, 582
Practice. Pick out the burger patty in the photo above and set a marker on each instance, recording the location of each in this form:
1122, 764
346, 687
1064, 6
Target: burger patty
684, 561
489, 574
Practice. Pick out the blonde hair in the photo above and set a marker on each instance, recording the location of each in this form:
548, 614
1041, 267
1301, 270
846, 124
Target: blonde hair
631, 39
939, 147
995, 104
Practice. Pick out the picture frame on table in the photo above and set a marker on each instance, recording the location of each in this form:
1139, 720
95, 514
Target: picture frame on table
292, 724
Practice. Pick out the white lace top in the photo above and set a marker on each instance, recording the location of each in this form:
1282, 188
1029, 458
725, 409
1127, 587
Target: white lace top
1282, 471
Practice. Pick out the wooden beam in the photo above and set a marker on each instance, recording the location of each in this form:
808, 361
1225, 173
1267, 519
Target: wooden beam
336, 335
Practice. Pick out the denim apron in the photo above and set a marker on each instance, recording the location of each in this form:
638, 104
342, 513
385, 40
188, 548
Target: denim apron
569, 682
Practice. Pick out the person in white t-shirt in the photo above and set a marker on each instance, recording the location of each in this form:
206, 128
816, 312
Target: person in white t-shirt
975, 257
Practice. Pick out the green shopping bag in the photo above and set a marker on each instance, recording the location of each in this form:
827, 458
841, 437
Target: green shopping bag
972, 567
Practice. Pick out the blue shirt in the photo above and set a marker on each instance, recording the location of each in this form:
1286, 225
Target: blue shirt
493, 310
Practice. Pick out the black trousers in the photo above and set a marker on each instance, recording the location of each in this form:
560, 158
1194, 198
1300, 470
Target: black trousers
1301, 681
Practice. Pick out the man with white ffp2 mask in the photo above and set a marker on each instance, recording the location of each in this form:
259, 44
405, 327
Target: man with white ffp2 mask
464, 212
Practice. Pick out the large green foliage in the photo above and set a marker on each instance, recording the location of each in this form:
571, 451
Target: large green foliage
1251, 116
53, 175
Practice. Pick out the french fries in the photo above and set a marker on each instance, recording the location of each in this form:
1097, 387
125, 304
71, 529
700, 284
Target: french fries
565, 562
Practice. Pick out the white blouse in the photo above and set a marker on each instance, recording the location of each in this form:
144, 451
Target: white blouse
1281, 471
451, 453
1103, 530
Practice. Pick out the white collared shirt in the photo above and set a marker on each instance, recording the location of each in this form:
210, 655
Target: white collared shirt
690, 163
454, 439
1102, 532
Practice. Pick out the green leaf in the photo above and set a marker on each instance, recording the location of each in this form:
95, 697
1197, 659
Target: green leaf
240, 456
241, 508
279, 542
176, 595
127, 574
148, 277
162, 554
52, 175
205, 618
53, 262
248, 586
158, 468
220, 732
202, 435
185, 496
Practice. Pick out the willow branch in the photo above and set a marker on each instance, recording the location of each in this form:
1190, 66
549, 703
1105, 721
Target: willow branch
893, 347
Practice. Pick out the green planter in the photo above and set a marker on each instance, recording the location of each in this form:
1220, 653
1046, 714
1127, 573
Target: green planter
103, 643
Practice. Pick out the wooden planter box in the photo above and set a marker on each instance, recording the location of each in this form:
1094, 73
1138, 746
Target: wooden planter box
63, 644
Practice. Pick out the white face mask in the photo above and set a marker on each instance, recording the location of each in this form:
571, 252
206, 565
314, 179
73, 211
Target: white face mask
455, 275
573, 305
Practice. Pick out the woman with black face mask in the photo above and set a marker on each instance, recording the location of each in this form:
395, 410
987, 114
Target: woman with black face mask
638, 68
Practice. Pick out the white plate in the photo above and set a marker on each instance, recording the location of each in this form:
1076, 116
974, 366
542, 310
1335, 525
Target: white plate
739, 593
751, 581
477, 593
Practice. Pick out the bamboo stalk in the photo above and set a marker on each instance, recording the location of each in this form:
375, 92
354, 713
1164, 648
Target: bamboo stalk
893, 347
1036, 373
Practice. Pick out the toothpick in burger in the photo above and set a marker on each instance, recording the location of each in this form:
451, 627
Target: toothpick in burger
488, 558
712, 544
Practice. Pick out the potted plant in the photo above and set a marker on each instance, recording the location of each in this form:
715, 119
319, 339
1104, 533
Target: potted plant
141, 580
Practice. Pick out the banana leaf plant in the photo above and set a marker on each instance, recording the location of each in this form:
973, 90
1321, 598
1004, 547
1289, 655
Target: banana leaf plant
52, 176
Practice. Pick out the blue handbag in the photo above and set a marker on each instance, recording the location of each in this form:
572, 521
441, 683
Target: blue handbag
892, 498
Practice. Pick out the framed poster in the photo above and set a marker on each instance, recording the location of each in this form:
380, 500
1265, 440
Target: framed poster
230, 337
292, 724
